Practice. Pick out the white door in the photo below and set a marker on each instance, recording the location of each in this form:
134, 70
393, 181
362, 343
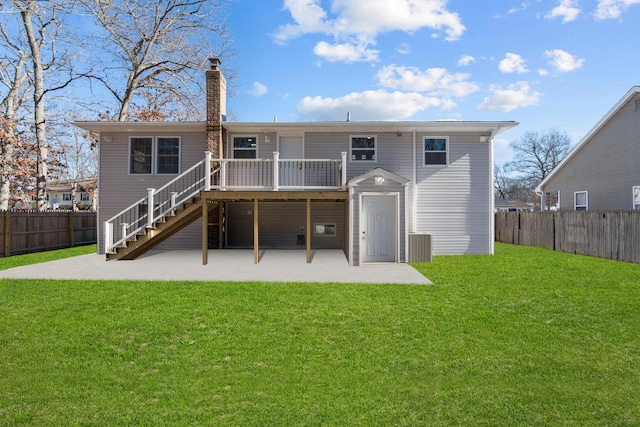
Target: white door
291, 172
378, 229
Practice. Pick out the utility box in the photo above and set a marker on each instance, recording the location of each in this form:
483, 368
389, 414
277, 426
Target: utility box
420, 247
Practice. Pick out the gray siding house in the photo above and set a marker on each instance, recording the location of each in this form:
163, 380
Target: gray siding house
602, 172
361, 187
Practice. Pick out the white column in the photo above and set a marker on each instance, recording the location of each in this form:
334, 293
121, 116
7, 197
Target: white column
343, 177
150, 209
276, 170
207, 170
108, 236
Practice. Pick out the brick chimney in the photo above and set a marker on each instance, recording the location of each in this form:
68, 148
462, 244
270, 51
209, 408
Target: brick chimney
216, 107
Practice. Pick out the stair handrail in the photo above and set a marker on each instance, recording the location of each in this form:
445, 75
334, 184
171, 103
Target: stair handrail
163, 201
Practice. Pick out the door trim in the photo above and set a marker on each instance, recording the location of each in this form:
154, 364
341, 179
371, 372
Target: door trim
396, 228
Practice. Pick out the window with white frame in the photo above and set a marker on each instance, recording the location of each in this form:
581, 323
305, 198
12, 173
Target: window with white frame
581, 200
636, 197
436, 151
245, 147
168, 154
84, 197
66, 197
362, 148
154, 155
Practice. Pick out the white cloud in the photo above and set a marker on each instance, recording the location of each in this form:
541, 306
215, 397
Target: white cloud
516, 95
465, 60
436, 81
258, 89
513, 63
563, 61
369, 105
612, 9
345, 52
365, 20
403, 49
568, 10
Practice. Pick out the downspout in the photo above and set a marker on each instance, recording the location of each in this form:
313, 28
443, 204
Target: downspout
352, 226
414, 189
492, 225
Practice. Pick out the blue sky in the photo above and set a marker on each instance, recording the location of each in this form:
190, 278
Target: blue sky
544, 63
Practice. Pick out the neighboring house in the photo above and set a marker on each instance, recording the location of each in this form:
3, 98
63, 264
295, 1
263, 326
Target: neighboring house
512, 205
59, 194
602, 172
363, 187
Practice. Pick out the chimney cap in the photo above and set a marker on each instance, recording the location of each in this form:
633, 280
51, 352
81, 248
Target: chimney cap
215, 62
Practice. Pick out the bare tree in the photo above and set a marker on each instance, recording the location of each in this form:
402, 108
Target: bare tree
14, 78
157, 46
536, 154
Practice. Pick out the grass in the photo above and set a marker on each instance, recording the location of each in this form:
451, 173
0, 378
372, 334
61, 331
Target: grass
525, 337
38, 257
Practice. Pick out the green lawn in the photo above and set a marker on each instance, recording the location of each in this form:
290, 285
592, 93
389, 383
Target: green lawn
35, 258
528, 337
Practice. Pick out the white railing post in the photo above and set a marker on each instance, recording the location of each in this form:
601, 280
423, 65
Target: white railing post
207, 170
276, 170
150, 208
173, 202
124, 233
108, 237
223, 174
343, 177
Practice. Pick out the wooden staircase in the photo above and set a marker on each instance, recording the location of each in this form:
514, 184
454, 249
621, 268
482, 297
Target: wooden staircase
161, 230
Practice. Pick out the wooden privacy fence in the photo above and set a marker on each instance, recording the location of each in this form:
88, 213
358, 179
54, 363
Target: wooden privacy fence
611, 235
24, 232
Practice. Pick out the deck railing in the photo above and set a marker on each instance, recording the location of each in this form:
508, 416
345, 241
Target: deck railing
224, 174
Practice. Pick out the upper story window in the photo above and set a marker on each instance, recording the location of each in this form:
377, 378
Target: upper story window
363, 148
84, 197
66, 197
168, 154
436, 151
581, 200
636, 197
245, 147
159, 155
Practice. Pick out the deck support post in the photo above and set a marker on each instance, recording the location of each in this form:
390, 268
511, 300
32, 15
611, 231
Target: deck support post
308, 237
256, 243
205, 232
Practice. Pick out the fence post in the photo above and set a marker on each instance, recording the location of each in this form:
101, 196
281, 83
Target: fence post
70, 227
276, 170
7, 233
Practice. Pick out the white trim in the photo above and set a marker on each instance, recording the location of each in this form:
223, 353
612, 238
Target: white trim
586, 205
424, 152
634, 205
396, 243
375, 149
351, 226
414, 224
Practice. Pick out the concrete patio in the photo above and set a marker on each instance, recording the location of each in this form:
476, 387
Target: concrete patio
226, 265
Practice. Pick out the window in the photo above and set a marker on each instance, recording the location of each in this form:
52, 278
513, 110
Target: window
245, 147
66, 197
636, 197
141, 150
581, 200
325, 230
363, 148
159, 155
84, 197
435, 151
168, 154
